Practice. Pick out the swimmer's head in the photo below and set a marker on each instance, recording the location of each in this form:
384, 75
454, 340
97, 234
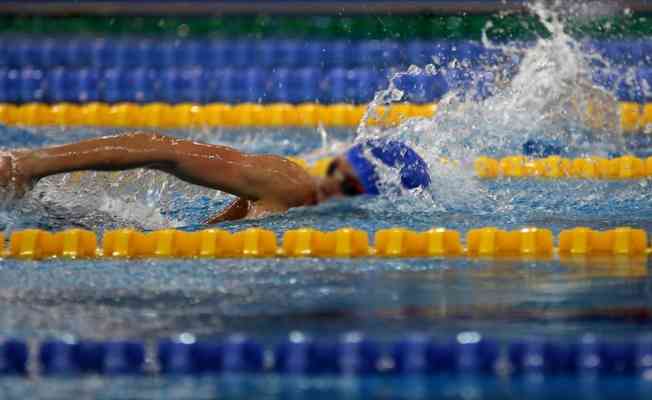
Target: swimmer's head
359, 174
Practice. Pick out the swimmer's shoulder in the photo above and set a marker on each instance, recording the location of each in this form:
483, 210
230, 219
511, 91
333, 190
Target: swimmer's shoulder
288, 182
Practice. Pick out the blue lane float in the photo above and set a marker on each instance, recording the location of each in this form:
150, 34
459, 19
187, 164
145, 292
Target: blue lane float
198, 85
256, 84
48, 52
352, 354
235, 354
35, 69
87, 357
13, 357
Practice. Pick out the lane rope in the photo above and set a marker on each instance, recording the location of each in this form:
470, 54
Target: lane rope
488, 242
347, 354
555, 167
634, 117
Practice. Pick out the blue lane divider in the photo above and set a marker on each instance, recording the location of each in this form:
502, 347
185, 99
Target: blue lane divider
258, 84
199, 85
72, 85
108, 358
13, 357
235, 354
130, 52
621, 51
349, 354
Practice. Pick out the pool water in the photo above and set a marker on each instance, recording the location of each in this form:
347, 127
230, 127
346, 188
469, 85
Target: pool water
384, 298
268, 299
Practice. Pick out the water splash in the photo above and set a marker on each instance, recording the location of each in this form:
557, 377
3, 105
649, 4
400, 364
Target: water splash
541, 90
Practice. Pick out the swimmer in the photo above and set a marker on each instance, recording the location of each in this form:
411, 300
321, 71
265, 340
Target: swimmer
264, 184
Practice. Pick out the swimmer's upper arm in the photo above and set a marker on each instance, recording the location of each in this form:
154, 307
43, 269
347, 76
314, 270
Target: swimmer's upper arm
252, 177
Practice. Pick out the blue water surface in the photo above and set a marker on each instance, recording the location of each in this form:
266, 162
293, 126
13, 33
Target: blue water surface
268, 298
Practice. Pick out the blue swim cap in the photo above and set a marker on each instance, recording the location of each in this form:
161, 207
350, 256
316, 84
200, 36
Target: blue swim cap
412, 168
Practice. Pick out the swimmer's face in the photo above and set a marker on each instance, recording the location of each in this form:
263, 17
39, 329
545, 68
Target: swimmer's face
340, 170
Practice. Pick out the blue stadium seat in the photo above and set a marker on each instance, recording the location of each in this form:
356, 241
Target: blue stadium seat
72, 85
295, 85
31, 86
180, 85
138, 85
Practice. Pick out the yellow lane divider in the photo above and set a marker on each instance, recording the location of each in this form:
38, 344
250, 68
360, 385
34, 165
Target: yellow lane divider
555, 167
188, 115
537, 243
634, 117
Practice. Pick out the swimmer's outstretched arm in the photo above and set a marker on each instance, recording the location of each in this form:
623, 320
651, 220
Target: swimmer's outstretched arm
251, 177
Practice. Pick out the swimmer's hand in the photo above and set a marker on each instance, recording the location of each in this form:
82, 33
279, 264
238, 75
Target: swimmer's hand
12, 176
